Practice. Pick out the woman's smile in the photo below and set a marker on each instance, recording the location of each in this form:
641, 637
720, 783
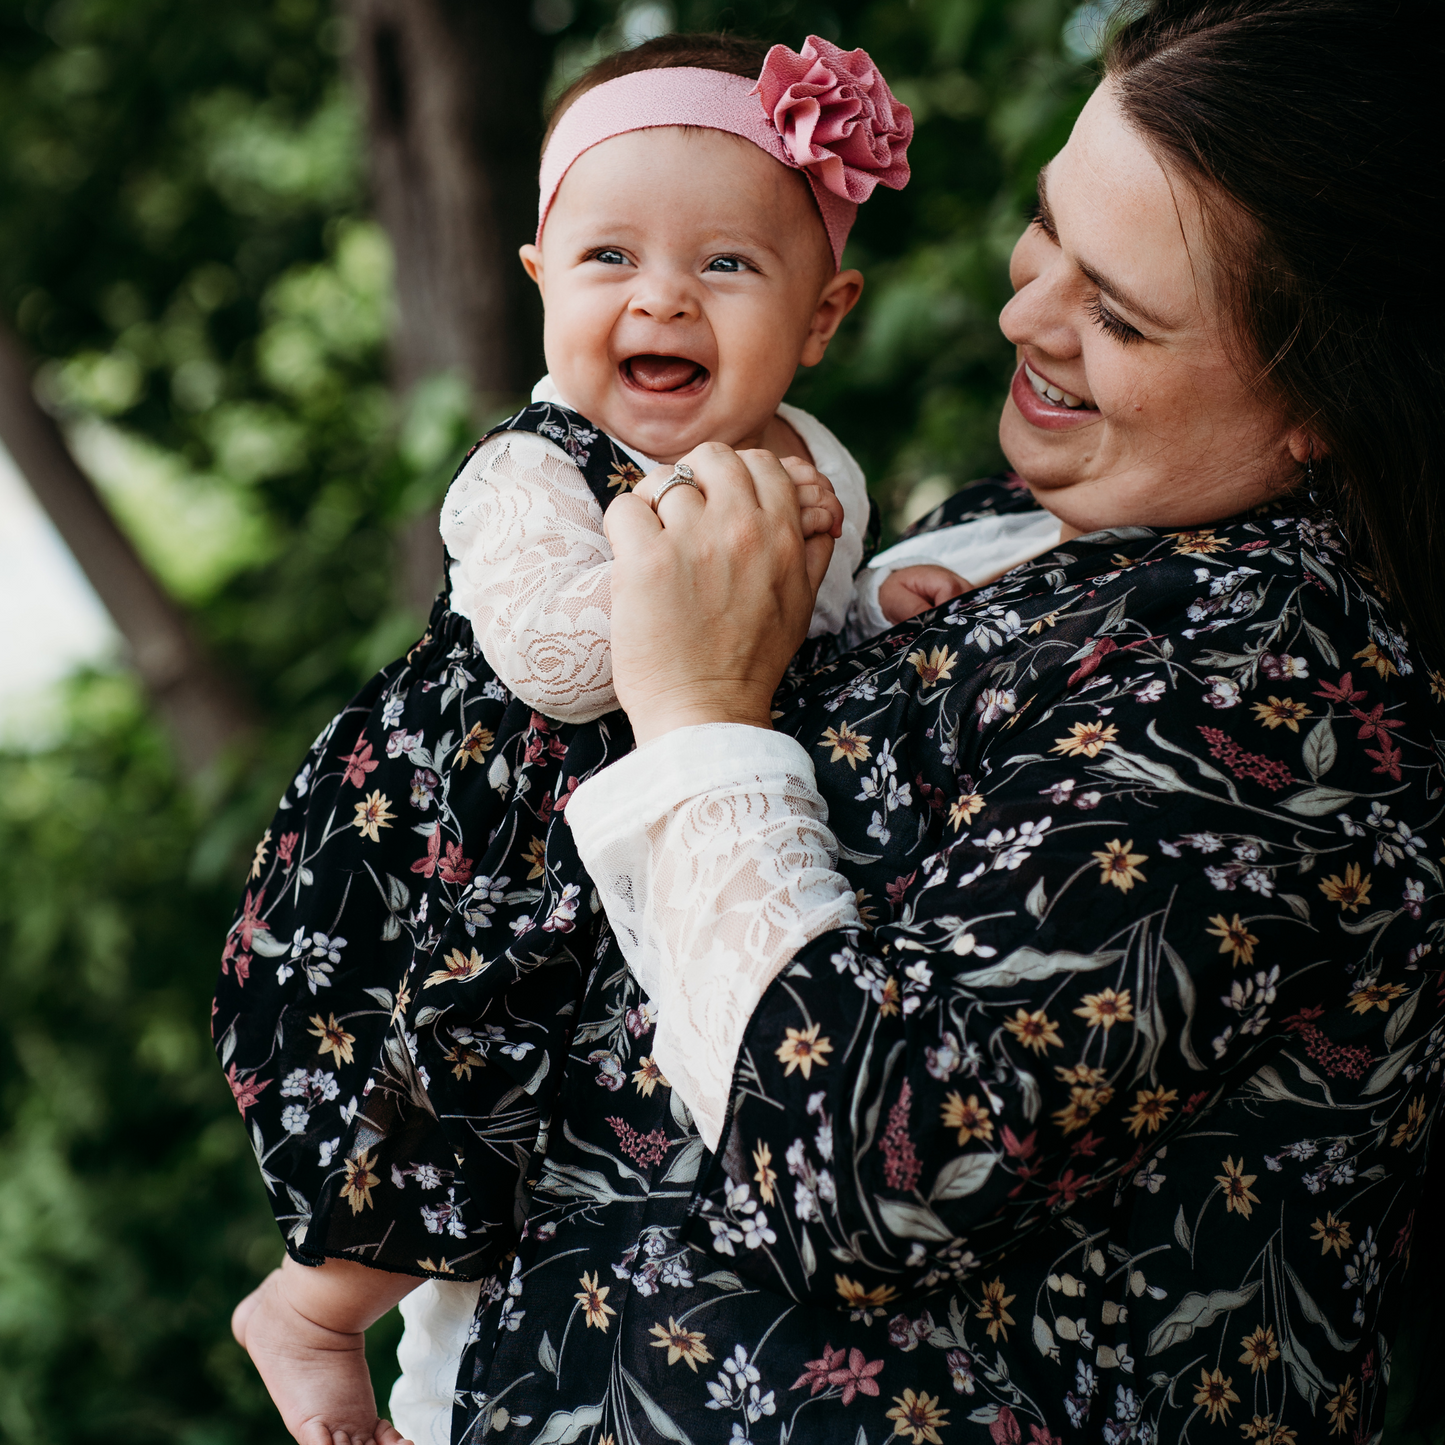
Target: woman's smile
1041, 403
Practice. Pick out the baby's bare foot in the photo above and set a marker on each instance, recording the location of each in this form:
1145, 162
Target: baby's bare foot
316, 1376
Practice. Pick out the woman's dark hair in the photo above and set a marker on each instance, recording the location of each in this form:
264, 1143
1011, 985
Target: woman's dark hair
733, 54
1318, 120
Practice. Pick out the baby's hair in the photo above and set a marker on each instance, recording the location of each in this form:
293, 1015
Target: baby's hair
732, 54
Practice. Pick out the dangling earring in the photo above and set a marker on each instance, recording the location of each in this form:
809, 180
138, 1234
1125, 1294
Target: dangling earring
1311, 490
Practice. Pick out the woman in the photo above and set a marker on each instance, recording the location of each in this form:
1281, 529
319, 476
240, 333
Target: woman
1046, 1022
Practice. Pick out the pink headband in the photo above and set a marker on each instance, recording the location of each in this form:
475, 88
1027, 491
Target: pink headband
825, 111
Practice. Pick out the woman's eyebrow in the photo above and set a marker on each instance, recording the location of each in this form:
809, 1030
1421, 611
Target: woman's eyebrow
1121, 294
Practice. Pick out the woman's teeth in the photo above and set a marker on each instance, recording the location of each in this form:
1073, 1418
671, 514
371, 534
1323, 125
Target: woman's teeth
1050, 392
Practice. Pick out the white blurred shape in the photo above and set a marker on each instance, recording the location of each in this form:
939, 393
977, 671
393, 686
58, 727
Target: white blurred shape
51, 621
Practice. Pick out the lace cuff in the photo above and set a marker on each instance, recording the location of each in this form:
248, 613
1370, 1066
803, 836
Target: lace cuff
710, 850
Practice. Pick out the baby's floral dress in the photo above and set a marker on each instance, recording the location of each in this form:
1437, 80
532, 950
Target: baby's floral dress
1107, 1122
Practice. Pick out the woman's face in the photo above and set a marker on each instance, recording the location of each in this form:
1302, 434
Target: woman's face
1126, 406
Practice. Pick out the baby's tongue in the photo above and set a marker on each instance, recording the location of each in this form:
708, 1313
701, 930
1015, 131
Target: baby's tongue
662, 373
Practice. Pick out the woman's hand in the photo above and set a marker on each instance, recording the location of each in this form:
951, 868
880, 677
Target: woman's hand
712, 599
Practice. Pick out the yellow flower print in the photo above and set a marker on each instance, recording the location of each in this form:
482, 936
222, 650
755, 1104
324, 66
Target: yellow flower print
848, 747
920, 1417
648, 1076
1239, 1198
1412, 1123
475, 746
1437, 685
1260, 1349
593, 1301
1035, 1030
888, 1004
1084, 1103
681, 1344
965, 809
1234, 937
536, 858
457, 968
1365, 996
463, 1060
334, 1039
856, 1297
970, 1119
766, 1176
1117, 865
623, 478
936, 667
439, 1267
994, 1309
258, 859
802, 1049
373, 814
1342, 1408
360, 1181
1151, 1109
1107, 1009
1280, 712
1198, 543
1085, 740
1215, 1394
1351, 892
1371, 656
1332, 1234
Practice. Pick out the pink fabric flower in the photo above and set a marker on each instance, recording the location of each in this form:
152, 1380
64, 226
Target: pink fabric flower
837, 117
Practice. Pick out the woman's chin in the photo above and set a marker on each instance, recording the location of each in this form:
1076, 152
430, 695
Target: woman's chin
1047, 461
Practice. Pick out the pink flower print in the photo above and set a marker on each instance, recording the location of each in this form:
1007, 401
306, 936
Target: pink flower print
359, 764
455, 868
837, 117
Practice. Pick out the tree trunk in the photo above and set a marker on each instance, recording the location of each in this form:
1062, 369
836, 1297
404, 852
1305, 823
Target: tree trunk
453, 92
201, 711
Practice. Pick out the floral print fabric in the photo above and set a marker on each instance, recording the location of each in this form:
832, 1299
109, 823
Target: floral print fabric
1110, 1126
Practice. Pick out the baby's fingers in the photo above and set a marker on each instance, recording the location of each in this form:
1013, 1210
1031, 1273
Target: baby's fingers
819, 510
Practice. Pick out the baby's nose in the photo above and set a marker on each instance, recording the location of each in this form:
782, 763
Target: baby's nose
665, 298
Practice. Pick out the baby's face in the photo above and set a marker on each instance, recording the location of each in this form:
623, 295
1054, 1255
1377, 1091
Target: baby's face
686, 275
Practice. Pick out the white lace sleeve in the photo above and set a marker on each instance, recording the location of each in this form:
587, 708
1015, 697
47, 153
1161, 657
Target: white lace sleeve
710, 850
533, 574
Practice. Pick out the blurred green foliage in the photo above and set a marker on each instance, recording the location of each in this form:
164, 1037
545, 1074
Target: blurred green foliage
184, 242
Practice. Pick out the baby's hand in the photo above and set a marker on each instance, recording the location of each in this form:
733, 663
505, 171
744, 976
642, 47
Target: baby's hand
317, 1376
911, 590
819, 510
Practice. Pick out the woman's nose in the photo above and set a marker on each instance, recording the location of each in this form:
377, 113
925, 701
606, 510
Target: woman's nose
1042, 312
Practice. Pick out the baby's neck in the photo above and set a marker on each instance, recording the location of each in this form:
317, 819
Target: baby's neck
777, 437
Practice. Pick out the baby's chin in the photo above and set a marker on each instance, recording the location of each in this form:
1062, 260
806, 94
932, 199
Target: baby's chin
662, 425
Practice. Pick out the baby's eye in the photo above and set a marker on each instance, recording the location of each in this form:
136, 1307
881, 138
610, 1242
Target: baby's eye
609, 256
730, 264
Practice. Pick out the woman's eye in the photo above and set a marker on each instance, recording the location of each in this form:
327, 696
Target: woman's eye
727, 263
610, 256
1109, 323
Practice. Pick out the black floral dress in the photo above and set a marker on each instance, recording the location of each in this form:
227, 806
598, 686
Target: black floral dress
1110, 1126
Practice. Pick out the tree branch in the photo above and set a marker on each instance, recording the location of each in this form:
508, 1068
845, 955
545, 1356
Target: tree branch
202, 712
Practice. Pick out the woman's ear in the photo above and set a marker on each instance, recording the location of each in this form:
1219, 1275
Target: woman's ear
839, 296
532, 265
1303, 447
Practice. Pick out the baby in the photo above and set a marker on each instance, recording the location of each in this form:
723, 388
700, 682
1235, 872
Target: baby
690, 232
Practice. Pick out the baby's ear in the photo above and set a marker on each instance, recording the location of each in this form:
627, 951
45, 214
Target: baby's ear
837, 298
532, 264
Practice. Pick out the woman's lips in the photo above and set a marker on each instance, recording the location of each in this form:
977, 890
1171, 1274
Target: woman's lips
1042, 412
663, 375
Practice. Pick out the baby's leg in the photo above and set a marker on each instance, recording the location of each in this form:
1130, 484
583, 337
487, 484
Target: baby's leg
305, 1331
438, 1327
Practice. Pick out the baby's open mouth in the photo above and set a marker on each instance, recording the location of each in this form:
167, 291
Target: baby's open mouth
663, 373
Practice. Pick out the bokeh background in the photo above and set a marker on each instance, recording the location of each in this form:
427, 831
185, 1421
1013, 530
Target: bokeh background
258, 280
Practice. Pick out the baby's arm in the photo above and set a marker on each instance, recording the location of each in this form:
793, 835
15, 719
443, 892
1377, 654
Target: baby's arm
304, 1330
533, 574
911, 590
